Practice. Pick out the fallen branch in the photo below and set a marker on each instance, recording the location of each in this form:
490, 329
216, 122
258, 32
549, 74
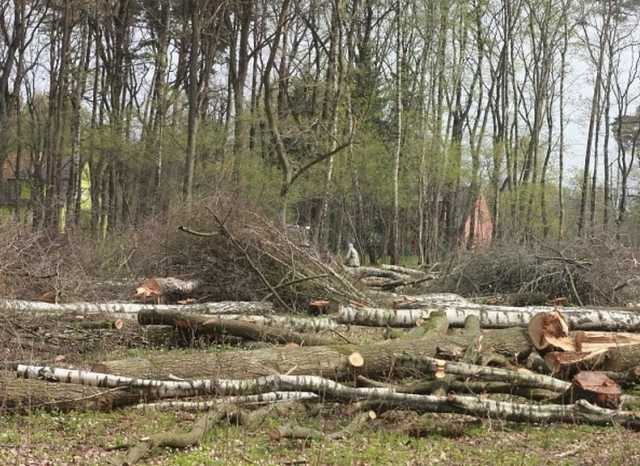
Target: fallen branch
441, 367
269, 397
174, 439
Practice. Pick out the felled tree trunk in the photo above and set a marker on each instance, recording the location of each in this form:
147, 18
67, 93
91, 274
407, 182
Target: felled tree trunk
206, 325
490, 316
616, 359
20, 395
329, 361
603, 319
166, 290
221, 307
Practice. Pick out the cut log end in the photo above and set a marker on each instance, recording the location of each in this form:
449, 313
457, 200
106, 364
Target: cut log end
356, 360
549, 330
597, 388
319, 306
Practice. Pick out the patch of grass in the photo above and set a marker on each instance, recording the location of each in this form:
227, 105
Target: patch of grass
82, 438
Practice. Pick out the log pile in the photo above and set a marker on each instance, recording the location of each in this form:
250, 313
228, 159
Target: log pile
533, 365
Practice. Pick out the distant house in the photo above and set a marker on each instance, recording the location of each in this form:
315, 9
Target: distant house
14, 186
479, 222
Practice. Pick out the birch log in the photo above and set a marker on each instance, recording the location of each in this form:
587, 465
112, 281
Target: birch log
491, 316
263, 398
522, 378
581, 411
221, 307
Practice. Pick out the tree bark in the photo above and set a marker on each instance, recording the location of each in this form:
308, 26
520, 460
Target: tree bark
491, 316
169, 288
581, 411
221, 307
205, 325
328, 361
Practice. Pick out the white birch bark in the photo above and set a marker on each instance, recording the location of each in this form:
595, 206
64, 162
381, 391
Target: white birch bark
263, 398
581, 411
221, 307
491, 316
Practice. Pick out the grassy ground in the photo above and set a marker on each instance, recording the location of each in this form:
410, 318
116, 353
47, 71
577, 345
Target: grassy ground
83, 438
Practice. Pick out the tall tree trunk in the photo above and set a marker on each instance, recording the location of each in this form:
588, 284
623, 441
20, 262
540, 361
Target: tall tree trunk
395, 242
193, 97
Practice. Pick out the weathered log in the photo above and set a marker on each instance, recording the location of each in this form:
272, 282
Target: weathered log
164, 290
221, 307
490, 316
375, 282
330, 361
206, 325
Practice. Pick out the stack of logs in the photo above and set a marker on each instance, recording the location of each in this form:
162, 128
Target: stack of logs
443, 354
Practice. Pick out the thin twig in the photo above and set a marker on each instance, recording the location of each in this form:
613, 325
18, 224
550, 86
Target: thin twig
197, 233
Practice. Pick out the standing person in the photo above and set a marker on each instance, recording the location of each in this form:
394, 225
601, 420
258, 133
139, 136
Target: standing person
352, 258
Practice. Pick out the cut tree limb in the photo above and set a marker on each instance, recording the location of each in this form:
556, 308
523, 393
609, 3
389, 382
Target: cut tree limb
175, 439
